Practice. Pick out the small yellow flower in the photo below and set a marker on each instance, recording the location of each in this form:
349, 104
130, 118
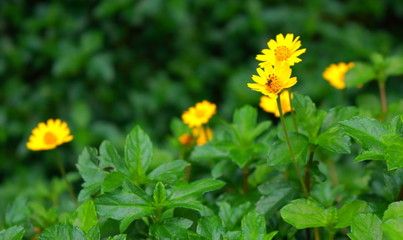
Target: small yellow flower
49, 136
283, 49
335, 74
185, 139
199, 114
270, 104
202, 135
273, 79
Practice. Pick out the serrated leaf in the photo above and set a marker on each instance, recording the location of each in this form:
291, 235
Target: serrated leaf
118, 237
169, 171
62, 231
244, 121
361, 73
232, 215
128, 186
279, 156
211, 227
370, 156
338, 114
160, 193
307, 115
394, 151
119, 205
367, 132
275, 196
393, 229
12, 233
174, 228
394, 211
253, 226
304, 213
334, 140
91, 173
366, 226
350, 210
138, 152
109, 154
85, 216
112, 181
394, 66
195, 189
241, 155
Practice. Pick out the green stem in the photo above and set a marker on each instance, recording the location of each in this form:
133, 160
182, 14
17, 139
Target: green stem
64, 176
287, 138
382, 94
331, 234
292, 112
245, 175
308, 170
316, 233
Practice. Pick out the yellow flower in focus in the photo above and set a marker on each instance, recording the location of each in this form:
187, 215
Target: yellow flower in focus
199, 114
185, 139
336, 73
202, 135
49, 136
283, 49
273, 79
270, 104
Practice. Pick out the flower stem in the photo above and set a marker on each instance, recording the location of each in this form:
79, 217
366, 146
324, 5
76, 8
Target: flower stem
63, 172
382, 94
292, 112
287, 138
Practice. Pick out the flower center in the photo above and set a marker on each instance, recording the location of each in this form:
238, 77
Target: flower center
49, 138
273, 84
200, 113
282, 53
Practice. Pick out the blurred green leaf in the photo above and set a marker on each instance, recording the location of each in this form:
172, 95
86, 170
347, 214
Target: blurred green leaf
394, 66
253, 226
231, 216
170, 171
85, 216
17, 212
62, 231
118, 237
349, 211
394, 151
211, 227
275, 196
361, 73
304, 213
393, 229
112, 181
12, 233
160, 193
194, 189
307, 115
334, 140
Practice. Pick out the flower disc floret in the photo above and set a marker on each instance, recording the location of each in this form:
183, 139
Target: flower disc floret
281, 49
335, 74
49, 136
273, 79
199, 114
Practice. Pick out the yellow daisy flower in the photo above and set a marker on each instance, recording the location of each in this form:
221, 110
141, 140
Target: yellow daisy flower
199, 114
49, 136
273, 79
283, 49
202, 135
335, 74
270, 104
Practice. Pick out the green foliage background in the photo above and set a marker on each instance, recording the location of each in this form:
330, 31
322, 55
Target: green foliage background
104, 66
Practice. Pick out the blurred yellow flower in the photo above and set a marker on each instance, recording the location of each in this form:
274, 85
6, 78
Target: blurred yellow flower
49, 136
199, 114
283, 49
335, 74
270, 104
273, 79
202, 135
185, 139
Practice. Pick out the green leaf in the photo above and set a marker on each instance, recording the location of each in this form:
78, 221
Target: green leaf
109, 154
304, 213
118, 237
338, 114
241, 155
394, 66
170, 171
112, 181
93, 176
270, 235
350, 210
244, 121
207, 151
253, 226
194, 189
17, 212
94, 233
279, 156
128, 186
160, 194
119, 205
275, 196
63, 231
211, 227
232, 215
393, 229
367, 132
334, 140
366, 226
394, 211
394, 151
174, 228
191, 204
12, 233
361, 73
369, 156
307, 115
393, 181
397, 125
138, 152
85, 216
